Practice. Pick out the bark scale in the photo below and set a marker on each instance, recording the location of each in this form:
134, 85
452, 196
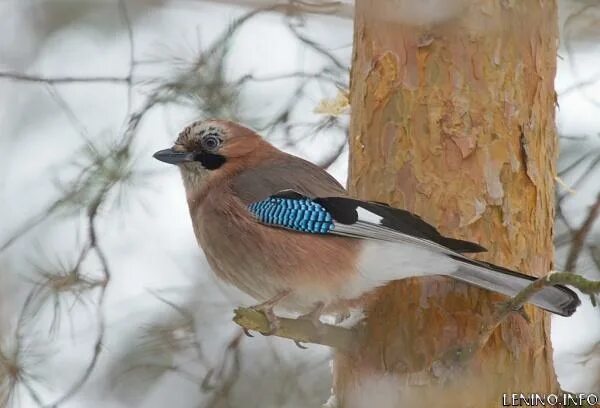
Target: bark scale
453, 119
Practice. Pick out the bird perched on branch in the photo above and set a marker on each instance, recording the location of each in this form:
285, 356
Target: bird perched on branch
287, 233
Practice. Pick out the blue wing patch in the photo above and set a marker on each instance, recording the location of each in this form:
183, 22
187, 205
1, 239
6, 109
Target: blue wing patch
298, 214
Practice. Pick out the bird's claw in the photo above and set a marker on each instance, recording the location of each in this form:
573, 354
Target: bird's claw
314, 316
247, 332
266, 308
272, 320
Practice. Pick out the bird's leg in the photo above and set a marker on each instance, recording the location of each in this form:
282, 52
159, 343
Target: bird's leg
314, 318
314, 315
267, 309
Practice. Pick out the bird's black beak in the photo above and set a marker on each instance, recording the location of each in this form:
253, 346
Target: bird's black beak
172, 157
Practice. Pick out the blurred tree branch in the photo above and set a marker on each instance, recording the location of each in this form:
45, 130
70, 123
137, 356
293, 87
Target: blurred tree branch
293, 7
18, 76
579, 236
94, 245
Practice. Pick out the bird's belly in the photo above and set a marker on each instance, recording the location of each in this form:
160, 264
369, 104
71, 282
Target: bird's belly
263, 262
380, 262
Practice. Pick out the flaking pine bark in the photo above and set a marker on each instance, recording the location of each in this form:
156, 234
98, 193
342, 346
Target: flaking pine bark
453, 119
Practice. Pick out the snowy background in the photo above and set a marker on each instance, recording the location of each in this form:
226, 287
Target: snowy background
167, 337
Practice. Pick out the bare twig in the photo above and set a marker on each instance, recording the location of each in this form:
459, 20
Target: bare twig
295, 7
565, 237
101, 323
188, 321
589, 287
77, 124
569, 39
18, 76
157, 97
595, 254
324, 75
589, 170
576, 163
318, 48
460, 355
580, 235
300, 330
228, 372
579, 85
127, 21
16, 365
320, 7
29, 225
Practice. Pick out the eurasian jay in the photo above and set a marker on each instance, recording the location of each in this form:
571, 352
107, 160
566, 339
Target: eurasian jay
287, 233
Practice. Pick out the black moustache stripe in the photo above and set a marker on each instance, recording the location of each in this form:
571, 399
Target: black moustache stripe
210, 161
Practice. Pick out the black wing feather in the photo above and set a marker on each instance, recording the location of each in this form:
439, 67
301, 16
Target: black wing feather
344, 210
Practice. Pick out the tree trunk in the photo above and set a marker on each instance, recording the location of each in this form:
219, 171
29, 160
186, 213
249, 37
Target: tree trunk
453, 119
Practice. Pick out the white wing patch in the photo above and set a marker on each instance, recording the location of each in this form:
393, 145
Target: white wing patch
381, 262
368, 216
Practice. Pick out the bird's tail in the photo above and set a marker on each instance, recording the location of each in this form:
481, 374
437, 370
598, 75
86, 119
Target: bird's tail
556, 299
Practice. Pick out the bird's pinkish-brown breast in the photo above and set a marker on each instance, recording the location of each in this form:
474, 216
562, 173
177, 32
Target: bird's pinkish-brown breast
263, 261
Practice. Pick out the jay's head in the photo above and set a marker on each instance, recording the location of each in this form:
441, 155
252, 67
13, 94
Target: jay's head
209, 147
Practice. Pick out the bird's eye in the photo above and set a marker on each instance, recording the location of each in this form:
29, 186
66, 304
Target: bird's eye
211, 143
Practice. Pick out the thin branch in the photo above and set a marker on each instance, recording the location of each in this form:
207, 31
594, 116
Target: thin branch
581, 234
575, 164
586, 286
101, 319
228, 372
587, 172
19, 76
318, 48
321, 75
155, 98
579, 85
295, 7
569, 40
127, 21
16, 365
300, 330
319, 7
29, 225
77, 124
32, 393
459, 356
595, 255
189, 319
